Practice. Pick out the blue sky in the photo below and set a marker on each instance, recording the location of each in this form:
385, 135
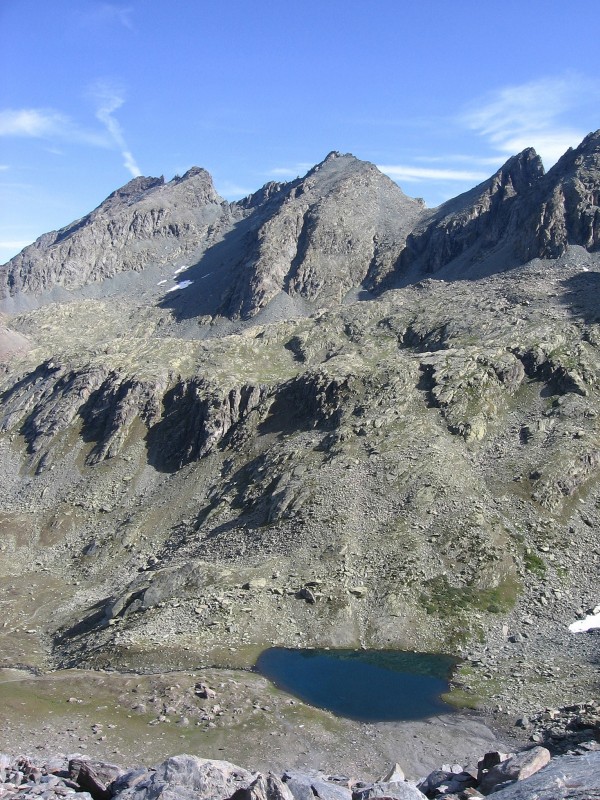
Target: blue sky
436, 93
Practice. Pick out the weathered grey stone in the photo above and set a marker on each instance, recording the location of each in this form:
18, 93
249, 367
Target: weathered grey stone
516, 768
300, 783
489, 761
268, 787
204, 691
188, 777
95, 777
397, 790
395, 773
565, 777
301, 790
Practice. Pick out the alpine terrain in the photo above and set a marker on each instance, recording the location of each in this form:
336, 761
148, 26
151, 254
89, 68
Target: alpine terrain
321, 416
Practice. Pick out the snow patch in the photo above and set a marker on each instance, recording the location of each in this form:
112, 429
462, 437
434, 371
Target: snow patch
181, 269
160, 283
181, 285
587, 624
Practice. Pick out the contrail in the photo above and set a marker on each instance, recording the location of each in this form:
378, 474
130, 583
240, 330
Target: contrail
109, 101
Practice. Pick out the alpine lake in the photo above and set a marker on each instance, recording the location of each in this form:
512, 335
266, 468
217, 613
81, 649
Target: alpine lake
363, 685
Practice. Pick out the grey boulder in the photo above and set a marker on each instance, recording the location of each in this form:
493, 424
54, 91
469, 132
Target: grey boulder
572, 777
189, 778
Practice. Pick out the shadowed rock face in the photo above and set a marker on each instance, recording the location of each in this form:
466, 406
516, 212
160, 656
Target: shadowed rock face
520, 209
475, 221
564, 207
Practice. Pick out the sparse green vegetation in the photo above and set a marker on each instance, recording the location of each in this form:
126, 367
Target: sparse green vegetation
447, 601
535, 564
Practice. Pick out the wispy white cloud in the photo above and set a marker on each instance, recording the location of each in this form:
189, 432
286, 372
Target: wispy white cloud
3, 167
44, 123
108, 99
233, 191
534, 114
14, 245
408, 174
107, 13
52, 125
292, 171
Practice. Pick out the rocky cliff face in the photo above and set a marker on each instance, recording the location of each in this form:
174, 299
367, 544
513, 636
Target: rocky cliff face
520, 211
565, 206
146, 221
475, 221
340, 227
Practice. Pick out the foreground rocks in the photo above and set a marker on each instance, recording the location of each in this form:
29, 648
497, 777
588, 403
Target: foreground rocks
563, 729
531, 774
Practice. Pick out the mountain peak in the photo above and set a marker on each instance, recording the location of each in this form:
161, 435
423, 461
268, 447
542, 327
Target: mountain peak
193, 172
591, 141
133, 190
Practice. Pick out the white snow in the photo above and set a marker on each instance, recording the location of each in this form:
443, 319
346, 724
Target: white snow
181, 285
181, 269
160, 283
591, 621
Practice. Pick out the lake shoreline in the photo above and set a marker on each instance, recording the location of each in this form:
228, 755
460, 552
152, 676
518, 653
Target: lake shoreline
145, 718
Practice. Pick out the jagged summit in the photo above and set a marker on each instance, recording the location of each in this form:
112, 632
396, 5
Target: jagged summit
146, 221
474, 221
564, 208
132, 191
340, 227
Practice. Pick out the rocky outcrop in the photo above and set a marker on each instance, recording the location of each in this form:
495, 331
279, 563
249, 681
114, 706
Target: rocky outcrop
47, 401
519, 211
188, 778
564, 206
95, 777
473, 222
149, 589
197, 415
146, 221
565, 778
342, 226
512, 769
185, 419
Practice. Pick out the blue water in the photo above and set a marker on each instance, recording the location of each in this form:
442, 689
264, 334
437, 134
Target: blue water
365, 685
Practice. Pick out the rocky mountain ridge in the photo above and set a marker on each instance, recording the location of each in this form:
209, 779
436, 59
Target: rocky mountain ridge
342, 227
